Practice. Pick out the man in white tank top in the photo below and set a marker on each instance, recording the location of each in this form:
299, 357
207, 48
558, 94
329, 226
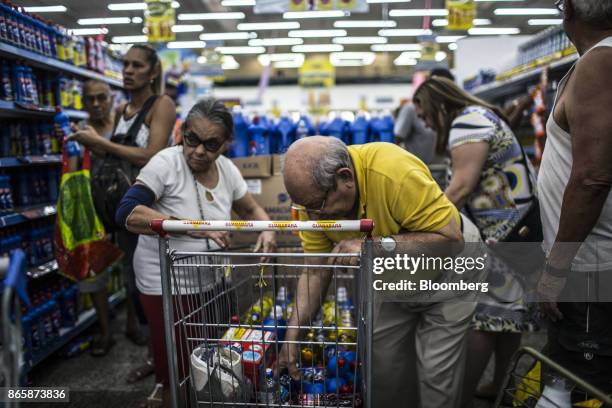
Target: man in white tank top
576, 205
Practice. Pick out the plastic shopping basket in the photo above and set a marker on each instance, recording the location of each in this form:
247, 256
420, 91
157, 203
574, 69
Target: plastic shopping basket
225, 315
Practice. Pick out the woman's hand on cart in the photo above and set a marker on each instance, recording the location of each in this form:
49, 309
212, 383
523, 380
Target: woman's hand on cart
266, 242
288, 360
222, 238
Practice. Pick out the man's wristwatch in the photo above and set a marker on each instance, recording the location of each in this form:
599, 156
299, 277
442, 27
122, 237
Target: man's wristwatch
388, 243
556, 272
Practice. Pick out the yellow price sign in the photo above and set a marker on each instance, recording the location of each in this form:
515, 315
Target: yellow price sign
159, 19
461, 14
298, 5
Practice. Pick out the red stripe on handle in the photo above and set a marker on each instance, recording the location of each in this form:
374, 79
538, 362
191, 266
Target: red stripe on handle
158, 226
366, 226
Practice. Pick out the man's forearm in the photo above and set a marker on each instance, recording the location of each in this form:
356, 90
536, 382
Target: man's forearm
582, 206
312, 287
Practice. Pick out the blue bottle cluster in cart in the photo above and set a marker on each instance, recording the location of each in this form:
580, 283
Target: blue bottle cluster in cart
261, 135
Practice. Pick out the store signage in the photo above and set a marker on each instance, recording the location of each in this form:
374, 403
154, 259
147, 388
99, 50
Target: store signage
281, 6
317, 72
159, 19
461, 14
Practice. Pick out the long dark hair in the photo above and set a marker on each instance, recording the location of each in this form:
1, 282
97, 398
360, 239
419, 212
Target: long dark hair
441, 101
154, 62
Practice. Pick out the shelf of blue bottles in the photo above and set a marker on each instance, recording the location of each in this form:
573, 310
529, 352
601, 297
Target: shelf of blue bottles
41, 61
86, 319
22, 215
28, 160
10, 109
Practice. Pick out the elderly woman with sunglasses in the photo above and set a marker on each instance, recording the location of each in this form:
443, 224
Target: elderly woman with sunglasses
190, 181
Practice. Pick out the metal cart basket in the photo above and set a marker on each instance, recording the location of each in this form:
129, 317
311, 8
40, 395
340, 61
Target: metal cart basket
535, 380
226, 314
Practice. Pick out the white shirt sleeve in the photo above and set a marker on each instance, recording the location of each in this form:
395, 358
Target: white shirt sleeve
239, 186
155, 174
470, 127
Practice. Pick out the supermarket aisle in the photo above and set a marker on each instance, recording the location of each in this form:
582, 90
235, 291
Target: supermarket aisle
98, 382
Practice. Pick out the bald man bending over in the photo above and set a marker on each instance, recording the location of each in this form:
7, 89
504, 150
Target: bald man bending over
418, 347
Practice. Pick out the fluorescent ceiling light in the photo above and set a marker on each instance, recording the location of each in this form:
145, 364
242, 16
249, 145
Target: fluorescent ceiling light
121, 48
134, 6
351, 59
442, 39
236, 15
404, 32
526, 12
288, 64
186, 44
365, 24
404, 60
442, 22
315, 14
241, 50
244, 35
123, 39
237, 3
418, 12
104, 21
317, 33
88, 31
441, 56
266, 59
410, 55
544, 21
388, 1
494, 31
229, 62
360, 40
45, 9
317, 48
274, 42
278, 25
395, 47
136, 20
187, 28
452, 46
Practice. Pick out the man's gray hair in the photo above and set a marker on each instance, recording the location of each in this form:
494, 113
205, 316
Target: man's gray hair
597, 12
335, 157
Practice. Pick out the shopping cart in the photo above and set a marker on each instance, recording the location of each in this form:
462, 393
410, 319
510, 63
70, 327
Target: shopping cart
13, 269
220, 350
535, 380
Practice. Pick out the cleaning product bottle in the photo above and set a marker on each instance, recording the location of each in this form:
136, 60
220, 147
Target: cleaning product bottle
386, 131
74, 151
240, 147
285, 132
335, 128
276, 323
360, 129
257, 138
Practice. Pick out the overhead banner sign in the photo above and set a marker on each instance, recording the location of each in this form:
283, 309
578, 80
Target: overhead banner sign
429, 49
461, 14
281, 6
159, 20
317, 72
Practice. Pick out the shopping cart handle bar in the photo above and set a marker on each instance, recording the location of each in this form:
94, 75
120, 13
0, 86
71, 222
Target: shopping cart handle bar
177, 226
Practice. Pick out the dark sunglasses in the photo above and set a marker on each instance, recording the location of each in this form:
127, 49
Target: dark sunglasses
193, 140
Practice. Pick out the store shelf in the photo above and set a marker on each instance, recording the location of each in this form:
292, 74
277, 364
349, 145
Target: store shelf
42, 270
28, 160
40, 61
13, 110
86, 319
518, 84
27, 214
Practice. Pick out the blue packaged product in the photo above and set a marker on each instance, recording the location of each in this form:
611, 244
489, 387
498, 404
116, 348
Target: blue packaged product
35, 330
26, 332
52, 182
336, 128
70, 306
360, 129
386, 131
63, 121
285, 131
334, 384
301, 130
276, 323
56, 317
3, 33
48, 323
7, 87
257, 139
240, 147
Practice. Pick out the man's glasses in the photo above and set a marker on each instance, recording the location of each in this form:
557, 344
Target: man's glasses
560, 5
100, 98
311, 211
193, 140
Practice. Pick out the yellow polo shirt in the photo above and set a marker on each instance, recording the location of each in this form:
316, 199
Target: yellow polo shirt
396, 190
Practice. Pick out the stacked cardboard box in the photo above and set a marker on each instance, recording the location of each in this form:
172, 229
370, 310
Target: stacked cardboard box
264, 178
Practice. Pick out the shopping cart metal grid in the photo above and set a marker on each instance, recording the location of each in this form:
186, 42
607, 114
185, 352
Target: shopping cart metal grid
219, 344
